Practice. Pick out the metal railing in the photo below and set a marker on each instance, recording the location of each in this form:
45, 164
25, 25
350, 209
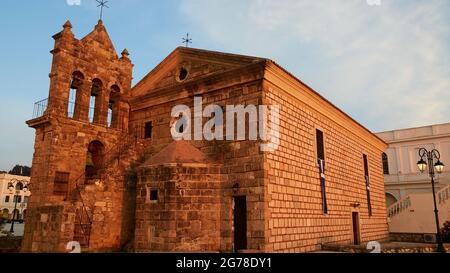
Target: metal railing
83, 225
114, 155
83, 221
79, 112
39, 108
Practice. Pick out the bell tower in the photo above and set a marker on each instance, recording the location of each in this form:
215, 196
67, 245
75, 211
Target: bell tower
77, 127
88, 82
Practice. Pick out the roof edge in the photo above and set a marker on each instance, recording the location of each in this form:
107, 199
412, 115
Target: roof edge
181, 49
314, 92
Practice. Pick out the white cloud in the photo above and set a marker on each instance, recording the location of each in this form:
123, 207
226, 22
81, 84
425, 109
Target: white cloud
373, 2
387, 66
73, 2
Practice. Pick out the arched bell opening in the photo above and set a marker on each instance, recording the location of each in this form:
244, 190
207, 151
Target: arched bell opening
94, 160
74, 100
95, 102
113, 107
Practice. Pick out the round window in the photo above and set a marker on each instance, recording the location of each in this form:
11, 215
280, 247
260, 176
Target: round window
182, 74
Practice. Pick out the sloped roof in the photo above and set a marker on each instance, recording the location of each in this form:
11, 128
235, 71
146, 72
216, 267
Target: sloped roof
100, 35
230, 62
177, 152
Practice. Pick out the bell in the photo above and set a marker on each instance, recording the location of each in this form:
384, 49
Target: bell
89, 161
74, 84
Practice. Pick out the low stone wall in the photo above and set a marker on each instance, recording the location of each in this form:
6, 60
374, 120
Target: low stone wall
407, 237
186, 215
10, 244
386, 247
48, 228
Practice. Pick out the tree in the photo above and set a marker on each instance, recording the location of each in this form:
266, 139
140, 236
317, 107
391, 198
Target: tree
21, 170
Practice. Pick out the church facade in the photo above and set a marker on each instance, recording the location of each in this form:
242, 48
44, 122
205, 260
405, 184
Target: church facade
107, 172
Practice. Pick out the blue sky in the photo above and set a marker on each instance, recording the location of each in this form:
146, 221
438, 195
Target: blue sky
386, 65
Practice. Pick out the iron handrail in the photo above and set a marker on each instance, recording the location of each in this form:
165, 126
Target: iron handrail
71, 108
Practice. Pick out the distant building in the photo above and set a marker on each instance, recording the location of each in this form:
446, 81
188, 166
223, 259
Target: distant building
409, 196
7, 199
402, 176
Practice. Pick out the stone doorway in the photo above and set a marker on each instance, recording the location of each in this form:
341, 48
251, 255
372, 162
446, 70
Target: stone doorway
240, 223
355, 228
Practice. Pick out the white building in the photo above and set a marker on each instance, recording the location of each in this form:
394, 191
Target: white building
409, 192
402, 176
7, 198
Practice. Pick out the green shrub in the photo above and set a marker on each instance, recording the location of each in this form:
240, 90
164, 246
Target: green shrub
445, 231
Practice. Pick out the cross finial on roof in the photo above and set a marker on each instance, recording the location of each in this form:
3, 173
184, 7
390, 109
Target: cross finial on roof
102, 4
187, 40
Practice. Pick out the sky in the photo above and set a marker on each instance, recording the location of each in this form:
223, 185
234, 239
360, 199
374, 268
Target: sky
386, 63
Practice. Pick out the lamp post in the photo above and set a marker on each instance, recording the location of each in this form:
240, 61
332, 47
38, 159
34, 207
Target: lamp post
15, 186
431, 156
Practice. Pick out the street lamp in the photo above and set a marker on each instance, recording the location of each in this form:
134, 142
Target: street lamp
437, 167
15, 186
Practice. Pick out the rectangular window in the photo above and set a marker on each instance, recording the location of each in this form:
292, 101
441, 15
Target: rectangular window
367, 181
366, 165
25, 200
321, 164
148, 130
7, 199
320, 145
61, 184
385, 160
154, 195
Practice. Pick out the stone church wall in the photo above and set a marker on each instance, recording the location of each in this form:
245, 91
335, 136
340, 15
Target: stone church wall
295, 220
242, 161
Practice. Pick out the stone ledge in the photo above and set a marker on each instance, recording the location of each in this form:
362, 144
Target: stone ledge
10, 245
386, 247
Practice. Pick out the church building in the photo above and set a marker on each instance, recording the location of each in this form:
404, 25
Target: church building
108, 173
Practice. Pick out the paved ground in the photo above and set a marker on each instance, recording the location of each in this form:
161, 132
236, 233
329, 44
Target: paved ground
18, 229
325, 252
384, 247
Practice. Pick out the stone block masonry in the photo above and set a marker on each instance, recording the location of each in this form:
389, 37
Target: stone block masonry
107, 172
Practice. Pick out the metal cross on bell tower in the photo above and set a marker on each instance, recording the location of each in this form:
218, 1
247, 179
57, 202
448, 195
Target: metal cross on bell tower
187, 40
102, 4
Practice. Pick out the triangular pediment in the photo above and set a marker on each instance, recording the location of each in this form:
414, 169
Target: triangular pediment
99, 39
194, 63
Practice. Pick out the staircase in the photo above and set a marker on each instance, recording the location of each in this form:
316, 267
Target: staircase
117, 161
400, 206
414, 213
